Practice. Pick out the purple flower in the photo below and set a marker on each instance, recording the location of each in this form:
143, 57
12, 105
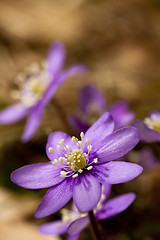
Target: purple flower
37, 87
92, 105
78, 167
149, 130
73, 222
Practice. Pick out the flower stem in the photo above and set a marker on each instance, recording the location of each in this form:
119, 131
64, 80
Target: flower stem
94, 226
63, 116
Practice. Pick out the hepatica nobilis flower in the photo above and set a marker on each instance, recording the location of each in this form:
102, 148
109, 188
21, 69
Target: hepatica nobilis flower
92, 105
37, 87
78, 167
73, 222
149, 129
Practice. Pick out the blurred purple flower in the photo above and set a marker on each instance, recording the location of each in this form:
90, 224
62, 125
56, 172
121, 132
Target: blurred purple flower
149, 129
73, 222
92, 105
78, 167
37, 88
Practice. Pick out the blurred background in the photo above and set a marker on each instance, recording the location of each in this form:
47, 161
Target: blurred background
119, 43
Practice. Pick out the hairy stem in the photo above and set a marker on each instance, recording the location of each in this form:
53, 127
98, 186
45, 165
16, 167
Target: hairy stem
94, 226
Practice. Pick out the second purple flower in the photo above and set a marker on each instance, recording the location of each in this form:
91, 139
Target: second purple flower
37, 87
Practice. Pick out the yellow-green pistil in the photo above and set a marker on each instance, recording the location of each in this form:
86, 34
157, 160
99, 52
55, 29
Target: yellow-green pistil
72, 161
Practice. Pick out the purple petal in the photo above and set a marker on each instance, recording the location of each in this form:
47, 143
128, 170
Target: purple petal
86, 193
91, 95
121, 115
116, 206
36, 176
56, 58
146, 134
118, 144
53, 228
53, 141
13, 113
33, 123
78, 225
59, 79
117, 172
96, 134
55, 198
74, 237
78, 124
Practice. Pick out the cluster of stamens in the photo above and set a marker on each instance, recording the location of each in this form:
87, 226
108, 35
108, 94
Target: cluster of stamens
69, 216
32, 84
153, 122
73, 162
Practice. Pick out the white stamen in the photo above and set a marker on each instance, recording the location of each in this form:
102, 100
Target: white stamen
61, 142
67, 147
74, 139
82, 135
89, 168
87, 140
75, 175
50, 149
89, 148
63, 174
80, 170
58, 147
80, 143
61, 160
54, 163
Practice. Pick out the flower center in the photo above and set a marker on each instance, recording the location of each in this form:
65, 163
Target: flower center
153, 122
73, 162
32, 85
37, 87
78, 160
